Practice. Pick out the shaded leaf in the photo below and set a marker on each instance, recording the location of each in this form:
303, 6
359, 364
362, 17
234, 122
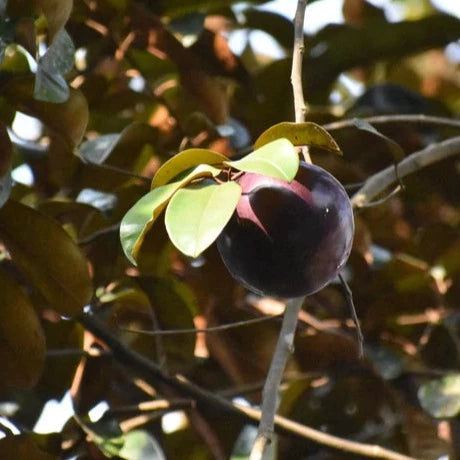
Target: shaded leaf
50, 84
174, 307
396, 150
5, 187
183, 161
306, 133
119, 150
441, 398
138, 220
23, 446
278, 159
197, 214
22, 341
68, 120
44, 252
57, 12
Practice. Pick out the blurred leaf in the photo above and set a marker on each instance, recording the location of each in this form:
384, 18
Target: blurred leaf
23, 446
47, 255
22, 342
278, 159
441, 398
6, 35
139, 219
119, 150
307, 133
50, 85
174, 307
197, 214
57, 12
395, 149
276, 25
183, 161
68, 120
5, 187
140, 445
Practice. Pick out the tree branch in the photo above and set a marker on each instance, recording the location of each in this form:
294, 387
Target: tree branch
206, 400
386, 119
377, 183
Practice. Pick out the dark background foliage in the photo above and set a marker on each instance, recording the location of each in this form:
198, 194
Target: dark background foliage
119, 87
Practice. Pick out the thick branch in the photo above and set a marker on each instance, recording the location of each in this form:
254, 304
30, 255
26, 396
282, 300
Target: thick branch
377, 183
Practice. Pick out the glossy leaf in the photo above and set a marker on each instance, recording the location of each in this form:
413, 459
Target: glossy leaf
197, 214
308, 133
277, 159
183, 161
396, 150
50, 84
441, 398
22, 341
46, 254
138, 220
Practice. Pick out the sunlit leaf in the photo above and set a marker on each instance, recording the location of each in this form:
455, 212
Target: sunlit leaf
22, 342
46, 254
138, 220
183, 161
307, 133
140, 445
441, 398
278, 159
197, 214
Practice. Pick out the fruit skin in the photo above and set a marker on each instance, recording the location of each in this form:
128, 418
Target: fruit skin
288, 239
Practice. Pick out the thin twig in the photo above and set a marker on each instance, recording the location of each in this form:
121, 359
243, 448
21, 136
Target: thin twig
351, 306
386, 119
204, 399
300, 107
222, 327
283, 349
377, 183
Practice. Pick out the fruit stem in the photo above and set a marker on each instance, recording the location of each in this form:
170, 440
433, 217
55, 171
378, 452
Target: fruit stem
300, 106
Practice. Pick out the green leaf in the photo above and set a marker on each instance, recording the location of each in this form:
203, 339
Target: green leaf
120, 150
67, 120
441, 398
197, 214
22, 341
50, 85
308, 133
183, 161
396, 150
140, 445
57, 12
47, 255
138, 220
278, 159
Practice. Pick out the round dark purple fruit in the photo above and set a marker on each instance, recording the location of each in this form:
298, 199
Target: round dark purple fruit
288, 239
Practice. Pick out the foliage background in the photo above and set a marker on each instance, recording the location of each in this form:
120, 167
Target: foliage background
149, 79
